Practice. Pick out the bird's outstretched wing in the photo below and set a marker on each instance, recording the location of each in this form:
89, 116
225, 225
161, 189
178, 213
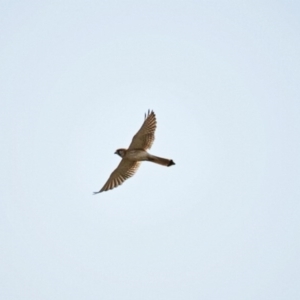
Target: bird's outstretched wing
145, 136
125, 170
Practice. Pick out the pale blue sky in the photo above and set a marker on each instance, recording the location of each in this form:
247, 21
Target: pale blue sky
223, 78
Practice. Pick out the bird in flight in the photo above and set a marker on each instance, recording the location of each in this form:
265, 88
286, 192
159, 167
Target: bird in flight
135, 154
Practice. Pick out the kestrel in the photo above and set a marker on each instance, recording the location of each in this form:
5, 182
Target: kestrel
135, 154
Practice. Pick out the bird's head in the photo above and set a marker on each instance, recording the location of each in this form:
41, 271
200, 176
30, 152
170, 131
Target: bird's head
121, 152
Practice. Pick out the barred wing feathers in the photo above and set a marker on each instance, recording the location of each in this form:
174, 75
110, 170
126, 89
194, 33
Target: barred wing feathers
144, 138
125, 170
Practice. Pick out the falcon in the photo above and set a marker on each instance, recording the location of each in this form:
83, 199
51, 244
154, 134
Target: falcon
135, 154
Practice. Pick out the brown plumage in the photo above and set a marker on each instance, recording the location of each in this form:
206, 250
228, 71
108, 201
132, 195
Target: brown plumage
144, 138
135, 154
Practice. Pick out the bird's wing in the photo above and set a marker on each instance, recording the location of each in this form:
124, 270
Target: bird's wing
125, 170
145, 136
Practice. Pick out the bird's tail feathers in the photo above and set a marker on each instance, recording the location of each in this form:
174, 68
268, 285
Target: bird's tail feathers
161, 161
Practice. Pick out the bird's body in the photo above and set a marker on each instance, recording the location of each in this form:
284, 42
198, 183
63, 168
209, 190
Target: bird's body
142, 155
135, 154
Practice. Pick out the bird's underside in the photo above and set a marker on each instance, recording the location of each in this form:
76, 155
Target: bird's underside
135, 154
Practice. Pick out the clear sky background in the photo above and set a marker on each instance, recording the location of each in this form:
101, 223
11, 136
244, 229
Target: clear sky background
223, 78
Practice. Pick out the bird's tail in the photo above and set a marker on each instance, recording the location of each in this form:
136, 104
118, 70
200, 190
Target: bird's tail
161, 161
